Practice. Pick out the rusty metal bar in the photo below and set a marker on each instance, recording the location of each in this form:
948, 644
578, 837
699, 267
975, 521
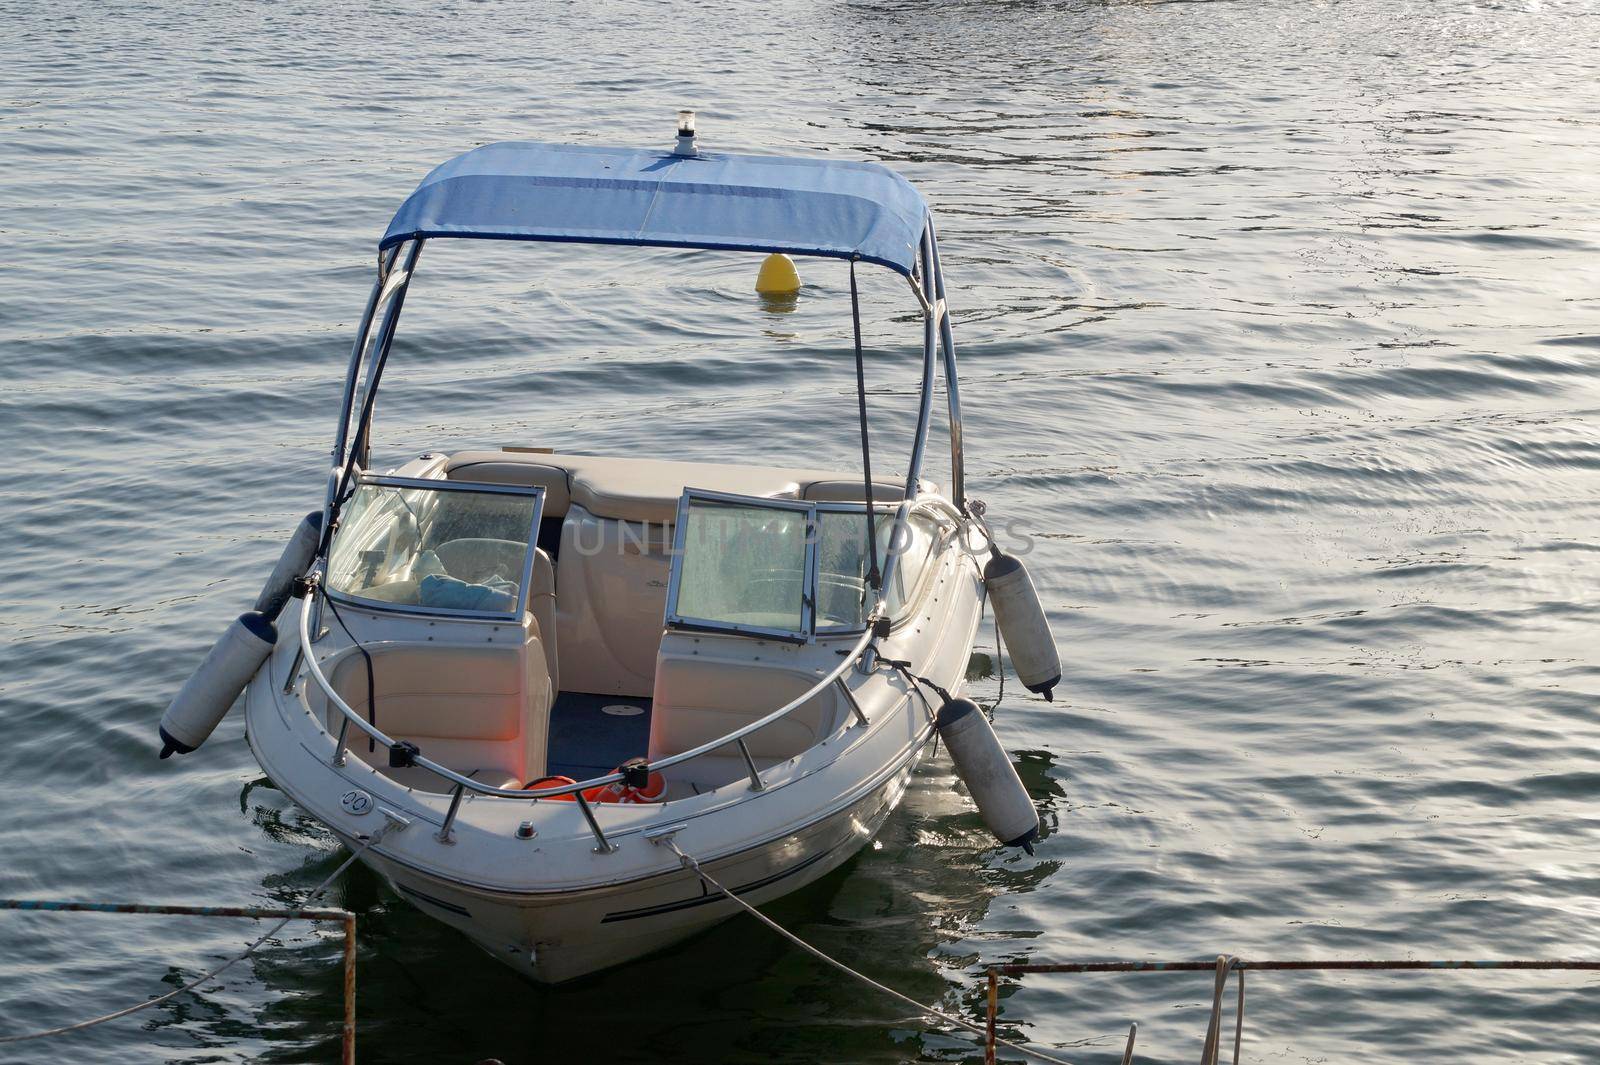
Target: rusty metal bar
994, 973
994, 1006
44, 906
345, 917
348, 1042
1581, 965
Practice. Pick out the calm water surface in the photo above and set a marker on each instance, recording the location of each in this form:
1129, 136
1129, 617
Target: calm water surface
1279, 324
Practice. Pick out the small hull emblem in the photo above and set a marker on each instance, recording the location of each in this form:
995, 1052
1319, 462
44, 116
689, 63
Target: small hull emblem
356, 802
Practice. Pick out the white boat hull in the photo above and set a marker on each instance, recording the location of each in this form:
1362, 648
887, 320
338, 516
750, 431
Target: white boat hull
561, 936
556, 906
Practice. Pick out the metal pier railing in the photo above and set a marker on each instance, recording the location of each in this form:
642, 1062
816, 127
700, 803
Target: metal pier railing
1222, 968
344, 917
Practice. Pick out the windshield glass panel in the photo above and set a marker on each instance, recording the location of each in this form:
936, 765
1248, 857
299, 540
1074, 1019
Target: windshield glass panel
447, 548
743, 567
843, 596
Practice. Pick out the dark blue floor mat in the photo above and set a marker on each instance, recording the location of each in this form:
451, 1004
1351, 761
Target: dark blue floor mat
586, 741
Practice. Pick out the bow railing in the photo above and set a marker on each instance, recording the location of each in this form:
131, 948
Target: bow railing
463, 784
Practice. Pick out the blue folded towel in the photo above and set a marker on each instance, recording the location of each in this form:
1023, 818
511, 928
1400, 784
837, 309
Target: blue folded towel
498, 595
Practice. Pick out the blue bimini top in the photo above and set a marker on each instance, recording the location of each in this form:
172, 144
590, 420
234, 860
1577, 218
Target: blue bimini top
521, 190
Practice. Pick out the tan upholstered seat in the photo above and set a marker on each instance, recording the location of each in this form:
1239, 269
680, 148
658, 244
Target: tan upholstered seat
542, 605
647, 490
483, 711
701, 699
846, 490
500, 467
613, 566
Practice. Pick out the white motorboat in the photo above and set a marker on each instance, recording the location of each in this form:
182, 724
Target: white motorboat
532, 671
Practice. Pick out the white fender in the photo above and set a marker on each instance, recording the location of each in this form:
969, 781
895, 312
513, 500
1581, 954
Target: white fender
997, 791
1022, 623
205, 698
294, 562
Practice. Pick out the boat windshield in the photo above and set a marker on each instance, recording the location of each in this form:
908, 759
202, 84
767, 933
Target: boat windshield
843, 561
741, 566
785, 568
436, 546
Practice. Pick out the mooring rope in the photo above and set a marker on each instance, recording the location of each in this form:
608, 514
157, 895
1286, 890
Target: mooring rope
711, 882
1226, 964
999, 657
316, 893
975, 518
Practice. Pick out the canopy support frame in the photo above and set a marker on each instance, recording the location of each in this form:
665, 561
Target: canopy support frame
353, 450
930, 332
347, 450
352, 374
947, 341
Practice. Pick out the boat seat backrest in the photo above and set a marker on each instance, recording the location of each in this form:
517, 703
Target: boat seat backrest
491, 468
542, 605
700, 700
612, 582
633, 488
845, 490
468, 707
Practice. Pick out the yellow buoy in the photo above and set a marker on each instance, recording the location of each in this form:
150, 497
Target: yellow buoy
777, 277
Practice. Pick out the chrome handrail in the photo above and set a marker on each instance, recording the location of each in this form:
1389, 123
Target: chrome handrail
463, 783
927, 284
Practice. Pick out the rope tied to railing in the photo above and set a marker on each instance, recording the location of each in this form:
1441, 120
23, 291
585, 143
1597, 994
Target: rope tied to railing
1226, 963
999, 660
296, 914
712, 883
974, 509
916, 681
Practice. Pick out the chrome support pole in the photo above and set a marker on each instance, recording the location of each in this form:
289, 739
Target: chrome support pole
294, 670
443, 835
338, 462
352, 374
947, 341
602, 845
922, 299
850, 697
922, 284
750, 767
930, 332
343, 744
361, 443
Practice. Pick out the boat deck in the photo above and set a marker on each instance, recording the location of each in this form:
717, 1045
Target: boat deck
593, 734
